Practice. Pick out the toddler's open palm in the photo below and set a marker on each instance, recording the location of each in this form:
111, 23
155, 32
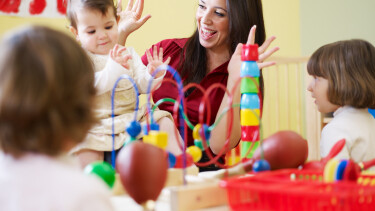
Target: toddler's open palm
155, 60
117, 54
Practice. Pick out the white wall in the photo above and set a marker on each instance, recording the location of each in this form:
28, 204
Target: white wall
326, 21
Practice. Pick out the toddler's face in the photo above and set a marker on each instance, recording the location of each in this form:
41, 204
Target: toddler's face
319, 91
97, 33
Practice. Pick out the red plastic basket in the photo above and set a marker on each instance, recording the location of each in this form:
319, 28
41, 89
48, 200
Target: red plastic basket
292, 189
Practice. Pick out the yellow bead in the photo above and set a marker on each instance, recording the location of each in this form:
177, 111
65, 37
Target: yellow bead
157, 138
195, 152
330, 170
196, 132
250, 117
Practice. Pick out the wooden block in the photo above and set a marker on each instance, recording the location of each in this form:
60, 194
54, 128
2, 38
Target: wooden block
197, 196
118, 188
175, 175
174, 178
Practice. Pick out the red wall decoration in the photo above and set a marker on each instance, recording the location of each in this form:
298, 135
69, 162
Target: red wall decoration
35, 7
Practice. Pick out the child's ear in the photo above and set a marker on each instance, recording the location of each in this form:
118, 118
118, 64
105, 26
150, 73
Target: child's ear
74, 31
117, 19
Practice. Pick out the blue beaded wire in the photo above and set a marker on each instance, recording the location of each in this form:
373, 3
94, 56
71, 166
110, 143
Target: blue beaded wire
136, 92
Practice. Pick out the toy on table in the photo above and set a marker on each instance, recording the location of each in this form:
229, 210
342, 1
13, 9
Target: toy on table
143, 170
284, 149
102, 169
346, 170
335, 170
143, 178
319, 165
250, 100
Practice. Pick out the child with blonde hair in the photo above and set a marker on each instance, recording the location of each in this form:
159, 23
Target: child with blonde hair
46, 108
343, 83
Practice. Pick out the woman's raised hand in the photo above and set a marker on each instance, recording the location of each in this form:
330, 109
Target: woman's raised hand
262, 50
235, 62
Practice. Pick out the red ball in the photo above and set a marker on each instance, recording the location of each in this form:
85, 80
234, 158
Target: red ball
143, 170
180, 163
284, 149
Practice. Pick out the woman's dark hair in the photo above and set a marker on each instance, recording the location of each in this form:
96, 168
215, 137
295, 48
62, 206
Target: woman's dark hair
243, 14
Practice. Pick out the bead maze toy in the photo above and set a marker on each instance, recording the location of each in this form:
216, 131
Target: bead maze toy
155, 140
137, 161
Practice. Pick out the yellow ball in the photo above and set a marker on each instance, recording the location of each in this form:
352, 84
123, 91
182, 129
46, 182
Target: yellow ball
195, 152
196, 132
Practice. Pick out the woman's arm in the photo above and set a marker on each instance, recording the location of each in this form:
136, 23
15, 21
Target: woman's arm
219, 133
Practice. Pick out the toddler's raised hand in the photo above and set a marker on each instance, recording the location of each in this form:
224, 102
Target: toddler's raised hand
117, 54
130, 19
155, 60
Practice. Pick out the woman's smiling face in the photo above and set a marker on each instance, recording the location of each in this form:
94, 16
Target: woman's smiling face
213, 24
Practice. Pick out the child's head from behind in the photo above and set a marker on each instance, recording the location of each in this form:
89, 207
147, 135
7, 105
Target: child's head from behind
46, 92
94, 24
344, 72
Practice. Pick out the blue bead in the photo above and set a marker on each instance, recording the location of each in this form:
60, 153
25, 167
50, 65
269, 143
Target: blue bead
340, 170
153, 126
250, 68
171, 160
261, 165
207, 133
133, 129
250, 101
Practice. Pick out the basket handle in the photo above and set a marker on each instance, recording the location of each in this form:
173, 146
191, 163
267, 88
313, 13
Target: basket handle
334, 151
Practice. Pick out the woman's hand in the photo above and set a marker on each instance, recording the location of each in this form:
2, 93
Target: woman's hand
235, 62
130, 19
117, 54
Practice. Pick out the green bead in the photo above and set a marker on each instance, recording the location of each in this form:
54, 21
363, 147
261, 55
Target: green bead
129, 140
245, 146
198, 143
102, 169
248, 85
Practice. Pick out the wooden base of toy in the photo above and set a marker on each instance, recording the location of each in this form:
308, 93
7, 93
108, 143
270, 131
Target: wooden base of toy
204, 197
197, 196
198, 193
174, 178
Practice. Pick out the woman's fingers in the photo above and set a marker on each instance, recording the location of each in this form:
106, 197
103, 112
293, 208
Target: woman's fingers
265, 64
266, 44
251, 37
267, 54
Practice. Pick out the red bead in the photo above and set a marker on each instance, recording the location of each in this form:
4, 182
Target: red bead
179, 163
248, 133
249, 52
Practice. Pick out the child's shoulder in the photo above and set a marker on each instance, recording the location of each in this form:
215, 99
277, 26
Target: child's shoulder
347, 119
